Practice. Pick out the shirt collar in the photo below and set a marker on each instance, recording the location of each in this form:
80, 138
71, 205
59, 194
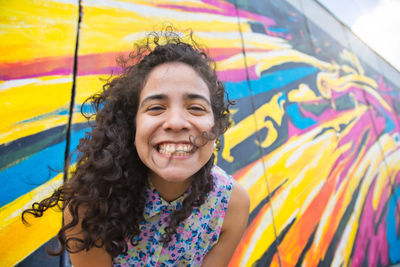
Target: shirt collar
156, 205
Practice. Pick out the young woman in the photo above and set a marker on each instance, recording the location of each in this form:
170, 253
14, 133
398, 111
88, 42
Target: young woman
145, 191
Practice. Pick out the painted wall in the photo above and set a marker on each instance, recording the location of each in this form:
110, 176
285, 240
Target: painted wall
315, 139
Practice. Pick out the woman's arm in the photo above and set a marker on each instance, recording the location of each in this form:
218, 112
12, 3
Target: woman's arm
234, 225
94, 257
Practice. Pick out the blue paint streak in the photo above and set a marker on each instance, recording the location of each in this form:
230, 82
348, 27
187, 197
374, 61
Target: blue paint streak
237, 90
267, 82
33, 171
392, 93
282, 98
391, 229
389, 123
63, 112
60, 111
278, 29
298, 120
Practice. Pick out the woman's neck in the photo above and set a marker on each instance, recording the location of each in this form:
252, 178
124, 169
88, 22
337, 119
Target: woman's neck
170, 191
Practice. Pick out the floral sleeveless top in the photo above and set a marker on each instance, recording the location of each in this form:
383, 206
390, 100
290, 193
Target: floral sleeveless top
195, 236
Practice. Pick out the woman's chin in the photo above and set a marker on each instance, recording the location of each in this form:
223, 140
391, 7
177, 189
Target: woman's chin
174, 175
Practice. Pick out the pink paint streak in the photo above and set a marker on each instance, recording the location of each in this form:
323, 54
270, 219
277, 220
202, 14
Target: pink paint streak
236, 75
87, 64
104, 63
225, 9
371, 241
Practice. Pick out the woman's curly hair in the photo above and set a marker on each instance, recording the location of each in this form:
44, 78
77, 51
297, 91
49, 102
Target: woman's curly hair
106, 191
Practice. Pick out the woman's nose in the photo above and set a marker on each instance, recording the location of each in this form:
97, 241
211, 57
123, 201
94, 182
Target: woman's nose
176, 120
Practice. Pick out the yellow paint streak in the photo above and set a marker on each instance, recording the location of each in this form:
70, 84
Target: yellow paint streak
328, 82
389, 147
353, 59
393, 161
36, 29
87, 86
264, 42
302, 94
29, 101
18, 240
261, 239
378, 97
265, 60
289, 56
23, 239
271, 136
309, 172
21, 103
349, 79
246, 127
133, 24
257, 190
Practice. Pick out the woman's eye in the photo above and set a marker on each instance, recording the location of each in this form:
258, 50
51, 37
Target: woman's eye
155, 108
197, 108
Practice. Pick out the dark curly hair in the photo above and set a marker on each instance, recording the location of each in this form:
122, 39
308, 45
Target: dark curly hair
106, 191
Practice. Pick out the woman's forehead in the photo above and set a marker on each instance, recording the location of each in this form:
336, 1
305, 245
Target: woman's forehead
174, 78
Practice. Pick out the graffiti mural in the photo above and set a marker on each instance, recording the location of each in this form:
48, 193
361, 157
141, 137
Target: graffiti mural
315, 138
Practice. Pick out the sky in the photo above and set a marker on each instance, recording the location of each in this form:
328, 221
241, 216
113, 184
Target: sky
376, 22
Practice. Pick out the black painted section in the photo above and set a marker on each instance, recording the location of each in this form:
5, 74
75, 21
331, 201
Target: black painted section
266, 259
40, 258
26, 146
339, 232
257, 209
306, 248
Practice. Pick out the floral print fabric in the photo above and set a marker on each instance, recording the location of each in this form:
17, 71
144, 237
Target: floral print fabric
194, 237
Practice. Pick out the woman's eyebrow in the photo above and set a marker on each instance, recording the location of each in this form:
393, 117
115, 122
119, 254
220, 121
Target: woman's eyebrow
197, 96
154, 97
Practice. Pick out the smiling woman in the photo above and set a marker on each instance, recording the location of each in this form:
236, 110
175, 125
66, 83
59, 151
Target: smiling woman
145, 190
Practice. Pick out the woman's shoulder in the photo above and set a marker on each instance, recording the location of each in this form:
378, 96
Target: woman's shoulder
237, 214
240, 200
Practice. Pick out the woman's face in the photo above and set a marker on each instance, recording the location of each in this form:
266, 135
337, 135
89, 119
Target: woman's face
174, 108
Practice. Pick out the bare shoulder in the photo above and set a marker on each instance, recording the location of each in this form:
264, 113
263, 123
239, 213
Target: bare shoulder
240, 198
238, 208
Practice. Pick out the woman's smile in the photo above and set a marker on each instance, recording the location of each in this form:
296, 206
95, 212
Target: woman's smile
175, 150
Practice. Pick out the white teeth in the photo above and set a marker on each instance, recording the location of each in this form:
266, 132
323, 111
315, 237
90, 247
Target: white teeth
176, 149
